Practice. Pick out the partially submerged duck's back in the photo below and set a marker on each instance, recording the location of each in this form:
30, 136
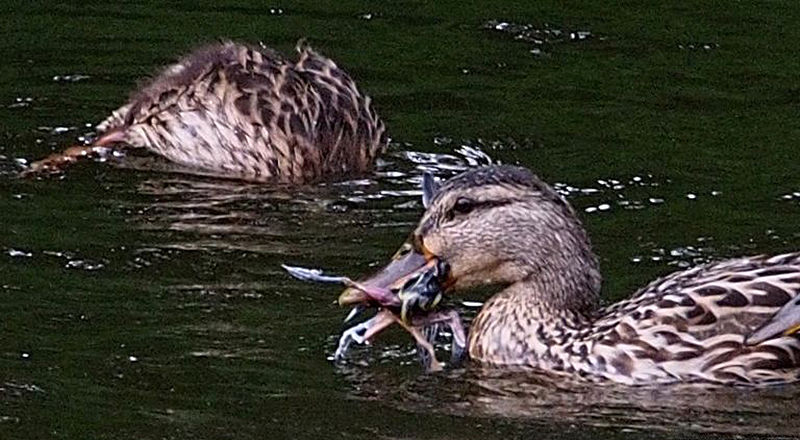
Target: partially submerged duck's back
245, 112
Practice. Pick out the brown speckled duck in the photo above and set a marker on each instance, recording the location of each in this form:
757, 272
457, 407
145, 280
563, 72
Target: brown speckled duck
246, 112
733, 321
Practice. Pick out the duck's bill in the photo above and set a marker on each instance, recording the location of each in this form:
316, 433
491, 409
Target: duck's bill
402, 277
416, 282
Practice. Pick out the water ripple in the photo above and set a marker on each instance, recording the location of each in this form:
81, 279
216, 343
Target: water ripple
631, 193
523, 394
542, 38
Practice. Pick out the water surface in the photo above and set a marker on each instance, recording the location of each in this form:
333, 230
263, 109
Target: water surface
139, 303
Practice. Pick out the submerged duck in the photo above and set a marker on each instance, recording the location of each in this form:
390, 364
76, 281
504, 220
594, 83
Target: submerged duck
733, 321
246, 112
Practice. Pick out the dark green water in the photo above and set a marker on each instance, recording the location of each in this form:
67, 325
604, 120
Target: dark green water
148, 305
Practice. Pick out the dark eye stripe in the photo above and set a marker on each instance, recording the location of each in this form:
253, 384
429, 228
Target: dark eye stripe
493, 203
464, 206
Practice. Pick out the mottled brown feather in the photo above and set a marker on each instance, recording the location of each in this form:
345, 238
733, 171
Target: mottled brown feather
246, 112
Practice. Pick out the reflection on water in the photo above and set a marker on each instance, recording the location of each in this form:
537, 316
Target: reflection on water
541, 38
21, 102
795, 195
71, 78
70, 259
556, 401
229, 208
687, 408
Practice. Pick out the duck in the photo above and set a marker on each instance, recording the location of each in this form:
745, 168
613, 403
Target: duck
245, 112
726, 322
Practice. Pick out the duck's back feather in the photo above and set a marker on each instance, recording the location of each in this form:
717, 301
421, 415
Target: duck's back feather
694, 325
247, 112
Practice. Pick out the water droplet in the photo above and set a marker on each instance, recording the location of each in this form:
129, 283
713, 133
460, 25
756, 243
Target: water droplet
501, 26
18, 253
472, 304
70, 78
540, 37
84, 264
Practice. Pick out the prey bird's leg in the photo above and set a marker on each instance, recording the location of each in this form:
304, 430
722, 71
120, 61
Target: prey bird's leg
429, 332
458, 350
381, 320
427, 353
361, 333
451, 319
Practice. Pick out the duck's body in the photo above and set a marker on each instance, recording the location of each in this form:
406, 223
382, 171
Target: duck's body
246, 112
728, 322
689, 326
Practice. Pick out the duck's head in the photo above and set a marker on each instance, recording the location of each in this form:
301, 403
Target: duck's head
498, 225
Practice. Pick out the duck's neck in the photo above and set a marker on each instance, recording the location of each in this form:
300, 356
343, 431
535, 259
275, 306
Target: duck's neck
553, 293
534, 320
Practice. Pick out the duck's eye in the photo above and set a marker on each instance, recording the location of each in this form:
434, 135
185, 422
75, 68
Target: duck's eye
464, 206
461, 206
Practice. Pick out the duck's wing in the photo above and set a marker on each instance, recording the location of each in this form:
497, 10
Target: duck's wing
726, 321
